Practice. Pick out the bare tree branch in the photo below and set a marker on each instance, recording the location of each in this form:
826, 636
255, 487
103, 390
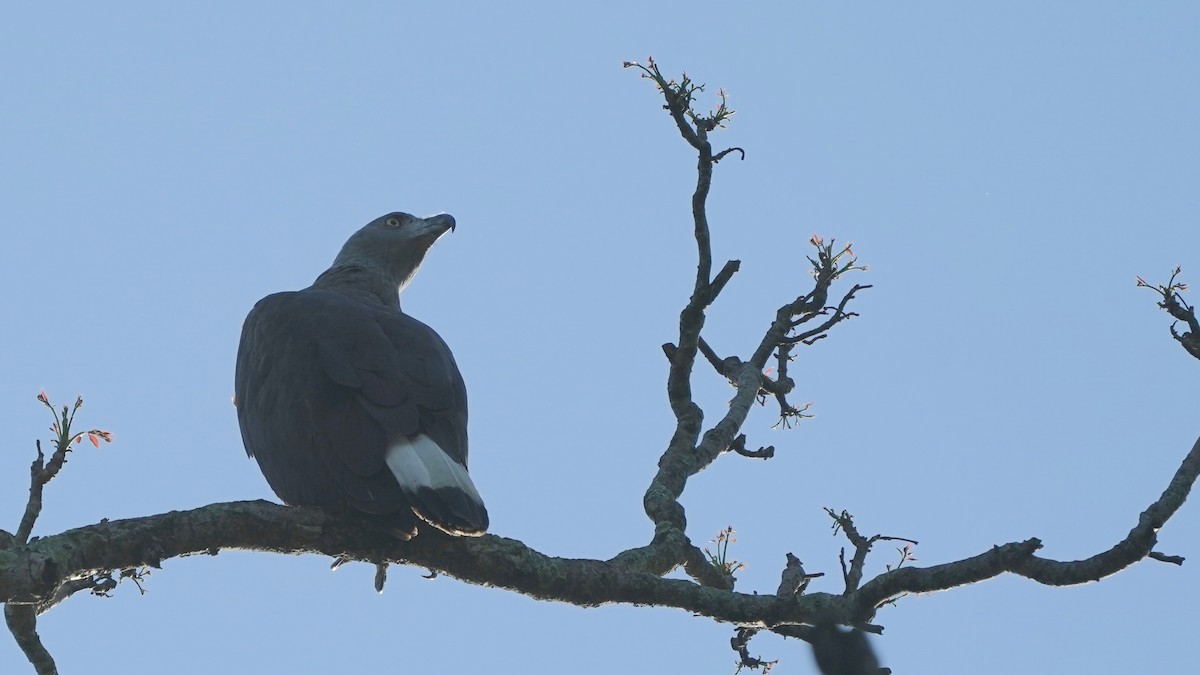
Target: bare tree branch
1018, 558
670, 546
740, 642
739, 446
1174, 304
22, 622
862, 546
36, 570
22, 619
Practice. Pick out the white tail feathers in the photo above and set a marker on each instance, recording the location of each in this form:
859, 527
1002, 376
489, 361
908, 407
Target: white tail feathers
439, 488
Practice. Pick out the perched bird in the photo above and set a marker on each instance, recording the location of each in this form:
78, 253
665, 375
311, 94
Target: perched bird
346, 401
794, 579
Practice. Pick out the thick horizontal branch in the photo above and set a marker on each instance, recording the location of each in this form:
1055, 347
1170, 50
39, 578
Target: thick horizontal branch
34, 572
30, 573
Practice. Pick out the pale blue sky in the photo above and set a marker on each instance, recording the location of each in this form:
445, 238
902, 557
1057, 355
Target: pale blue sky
1005, 172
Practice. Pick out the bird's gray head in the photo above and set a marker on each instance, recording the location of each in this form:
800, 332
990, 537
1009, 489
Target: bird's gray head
393, 245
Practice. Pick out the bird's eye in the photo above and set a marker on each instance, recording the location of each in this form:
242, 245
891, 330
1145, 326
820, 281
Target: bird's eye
392, 222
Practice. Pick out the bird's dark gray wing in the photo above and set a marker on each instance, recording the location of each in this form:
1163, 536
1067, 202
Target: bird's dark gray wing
328, 387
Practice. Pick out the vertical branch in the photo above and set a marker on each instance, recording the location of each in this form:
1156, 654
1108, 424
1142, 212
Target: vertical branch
41, 472
22, 622
704, 170
694, 128
690, 448
691, 318
38, 473
22, 619
670, 546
